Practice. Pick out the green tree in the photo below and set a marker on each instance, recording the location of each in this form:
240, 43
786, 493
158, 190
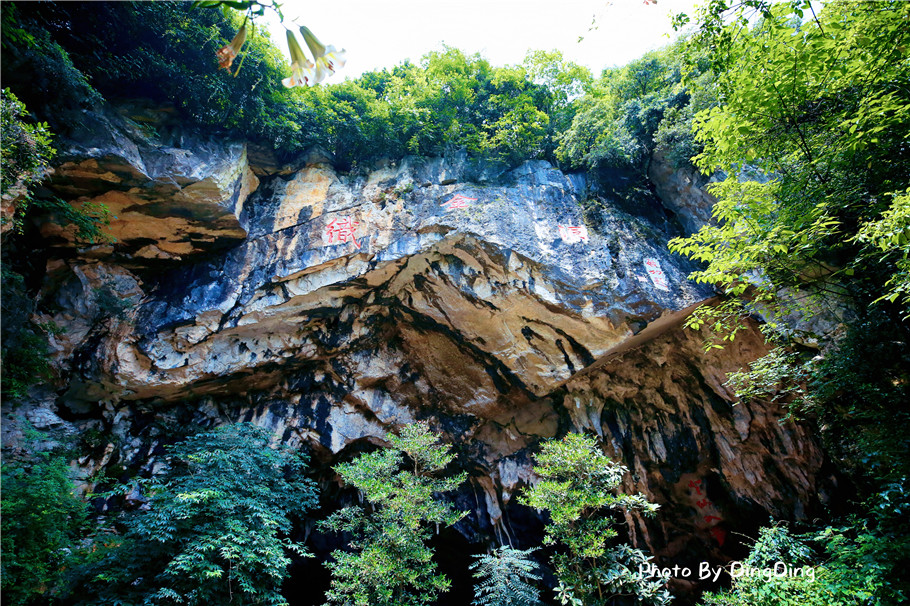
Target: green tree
809, 587
576, 487
215, 528
616, 122
163, 51
27, 152
390, 563
505, 578
559, 86
42, 520
563, 81
790, 572
811, 129
167, 52
821, 108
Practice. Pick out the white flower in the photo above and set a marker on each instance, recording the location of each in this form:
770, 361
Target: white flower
327, 58
302, 73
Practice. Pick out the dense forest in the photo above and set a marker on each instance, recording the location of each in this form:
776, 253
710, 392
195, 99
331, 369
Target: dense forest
799, 115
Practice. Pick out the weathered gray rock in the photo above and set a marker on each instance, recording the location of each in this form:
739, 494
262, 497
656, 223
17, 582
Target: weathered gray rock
43, 418
511, 276
171, 196
682, 190
92, 299
664, 410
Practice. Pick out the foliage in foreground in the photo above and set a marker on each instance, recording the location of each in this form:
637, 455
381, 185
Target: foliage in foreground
505, 578
576, 489
759, 585
827, 206
214, 531
812, 224
41, 521
390, 563
785, 570
817, 226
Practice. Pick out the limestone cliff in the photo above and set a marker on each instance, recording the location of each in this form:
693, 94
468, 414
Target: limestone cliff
497, 304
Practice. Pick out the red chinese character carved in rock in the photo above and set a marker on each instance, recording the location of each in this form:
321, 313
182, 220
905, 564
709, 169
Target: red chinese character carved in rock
458, 201
709, 518
703, 503
695, 484
573, 233
658, 277
340, 230
720, 534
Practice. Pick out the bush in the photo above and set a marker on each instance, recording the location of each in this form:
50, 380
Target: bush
214, 529
783, 570
576, 489
390, 563
25, 356
41, 521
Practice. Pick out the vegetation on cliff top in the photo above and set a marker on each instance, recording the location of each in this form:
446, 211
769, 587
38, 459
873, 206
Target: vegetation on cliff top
166, 52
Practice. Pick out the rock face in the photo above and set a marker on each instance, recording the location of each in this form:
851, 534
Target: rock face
682, 192
171, 195
487, 301
507, 273
713, 464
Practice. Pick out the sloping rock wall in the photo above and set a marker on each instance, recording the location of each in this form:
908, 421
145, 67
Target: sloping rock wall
483, 300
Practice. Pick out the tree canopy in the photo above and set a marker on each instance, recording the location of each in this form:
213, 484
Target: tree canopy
576, 488
215, 528
390, 563
809, 137
167, 52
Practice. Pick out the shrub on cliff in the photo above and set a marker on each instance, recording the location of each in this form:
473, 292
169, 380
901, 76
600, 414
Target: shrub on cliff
27, 151
42, 520
390, 563
214, 530
576, 489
